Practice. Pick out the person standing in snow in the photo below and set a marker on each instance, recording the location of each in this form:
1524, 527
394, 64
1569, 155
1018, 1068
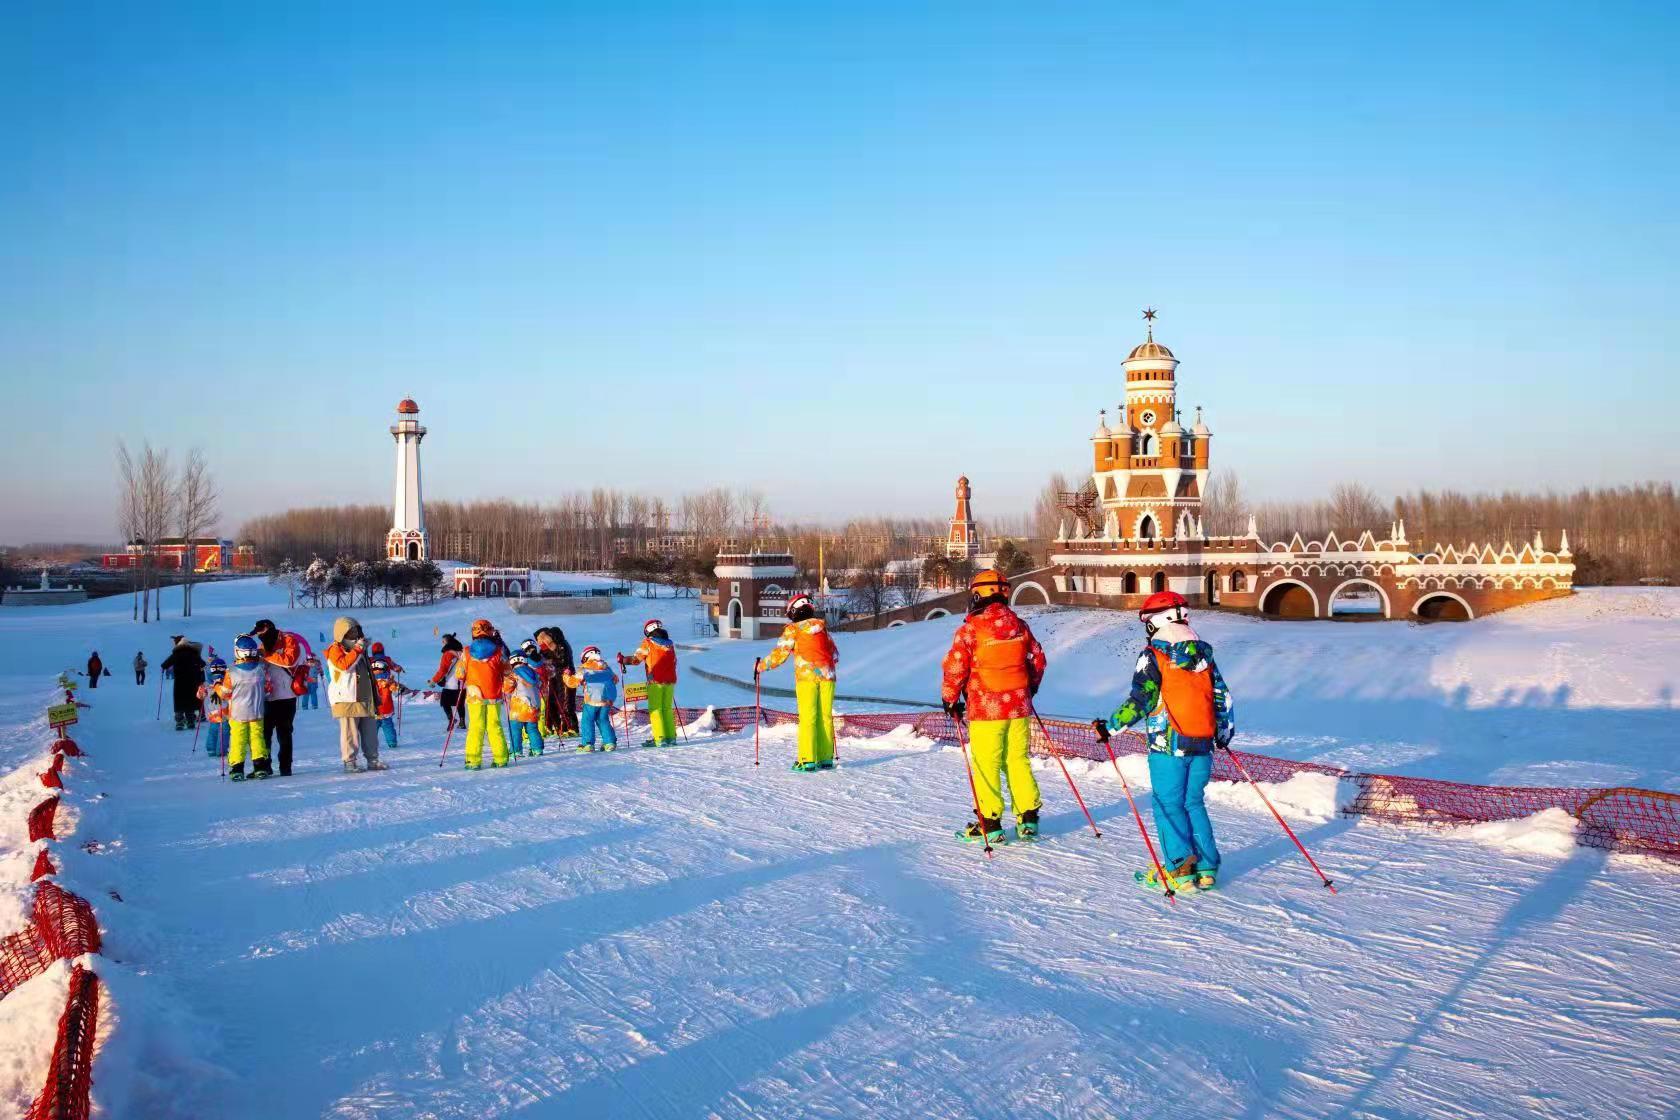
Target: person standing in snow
448, 678
522, 687
387, 689
559, 699
659, 654
216, 715
1186, 711
185, 668
989, 678
95, 668
484, 666
815, 667
311, 695
600, 693
139, 667
350, 692
282, 655
245, 689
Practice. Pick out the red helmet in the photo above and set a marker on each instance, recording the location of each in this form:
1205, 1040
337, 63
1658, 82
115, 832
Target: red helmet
651, 625
377, 648
1162, 601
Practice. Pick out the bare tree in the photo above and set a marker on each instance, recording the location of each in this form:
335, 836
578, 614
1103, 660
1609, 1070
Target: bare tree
151, 482
869, 591
197, 512
1225, 507
1353, 508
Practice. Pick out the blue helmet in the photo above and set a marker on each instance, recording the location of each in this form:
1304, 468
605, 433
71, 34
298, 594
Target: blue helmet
246, 648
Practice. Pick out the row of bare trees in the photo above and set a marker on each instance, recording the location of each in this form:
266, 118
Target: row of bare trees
156, 501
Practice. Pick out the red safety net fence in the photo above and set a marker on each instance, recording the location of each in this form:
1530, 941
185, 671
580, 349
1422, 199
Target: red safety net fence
62, 926
1619, 818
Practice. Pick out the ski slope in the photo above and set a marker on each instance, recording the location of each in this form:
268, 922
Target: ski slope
678, 934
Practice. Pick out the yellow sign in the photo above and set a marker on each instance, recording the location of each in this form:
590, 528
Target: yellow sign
635, 692
61, 715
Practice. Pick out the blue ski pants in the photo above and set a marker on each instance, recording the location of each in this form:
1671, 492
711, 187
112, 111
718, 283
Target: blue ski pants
527, 737
593, 718
388, 730
1181, 819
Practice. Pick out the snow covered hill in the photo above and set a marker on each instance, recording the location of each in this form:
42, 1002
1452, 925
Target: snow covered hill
679, 934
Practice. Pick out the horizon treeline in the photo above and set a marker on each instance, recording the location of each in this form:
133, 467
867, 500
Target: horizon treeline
1619, 534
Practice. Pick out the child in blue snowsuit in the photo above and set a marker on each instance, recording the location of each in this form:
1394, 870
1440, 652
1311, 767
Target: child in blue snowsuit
216, 742
1186, 710
599, 692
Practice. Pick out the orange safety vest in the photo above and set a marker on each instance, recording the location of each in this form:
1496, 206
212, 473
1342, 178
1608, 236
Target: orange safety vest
1001, 663
1188, 697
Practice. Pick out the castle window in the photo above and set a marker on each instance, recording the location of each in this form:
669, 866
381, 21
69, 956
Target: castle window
1159, 583
1146, 528
1128, 584
1239, 581
1151, 444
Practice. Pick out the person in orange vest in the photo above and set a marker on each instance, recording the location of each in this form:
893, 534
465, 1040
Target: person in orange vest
989, 677
815, 661
1186, 711
659, 654
484, 667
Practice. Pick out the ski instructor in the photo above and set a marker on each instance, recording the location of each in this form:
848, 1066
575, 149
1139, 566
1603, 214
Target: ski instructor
989, 677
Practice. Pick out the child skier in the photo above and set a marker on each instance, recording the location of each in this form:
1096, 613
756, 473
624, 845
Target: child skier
448, 678
215, 743
386, 690
311, 696
484, 664
990, 676
1186, 711
245, 689
600, 693
523, 689
659, 654
814, 663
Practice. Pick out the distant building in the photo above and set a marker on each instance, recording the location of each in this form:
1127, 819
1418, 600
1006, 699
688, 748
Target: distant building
209, 554
495, 583
963, 542
752, 595
1137, 529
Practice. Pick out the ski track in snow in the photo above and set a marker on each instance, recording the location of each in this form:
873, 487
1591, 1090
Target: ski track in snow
679, 934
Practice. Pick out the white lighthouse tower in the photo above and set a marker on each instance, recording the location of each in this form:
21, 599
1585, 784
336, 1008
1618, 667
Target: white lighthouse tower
407, 538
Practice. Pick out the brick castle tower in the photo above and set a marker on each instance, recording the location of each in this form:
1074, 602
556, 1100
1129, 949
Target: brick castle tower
963, 542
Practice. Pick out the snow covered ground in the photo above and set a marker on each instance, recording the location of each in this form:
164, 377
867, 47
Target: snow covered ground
677, 934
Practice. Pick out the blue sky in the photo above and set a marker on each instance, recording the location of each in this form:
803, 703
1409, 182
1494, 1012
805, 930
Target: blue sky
841, 252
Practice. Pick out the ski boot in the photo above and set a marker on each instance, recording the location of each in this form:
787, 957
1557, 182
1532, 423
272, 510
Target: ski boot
648, 743
1207, 878
498, 765
610, 747
538, 753
352, 767
378, 764
1026, 825
473, 766
987, 830
262, 768
236, 772
584, 748
826, 764
1180, 879
804, 767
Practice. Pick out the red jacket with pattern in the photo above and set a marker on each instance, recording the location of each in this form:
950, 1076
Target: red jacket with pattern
995, 659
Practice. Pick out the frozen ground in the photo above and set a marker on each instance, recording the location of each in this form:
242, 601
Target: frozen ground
681, 935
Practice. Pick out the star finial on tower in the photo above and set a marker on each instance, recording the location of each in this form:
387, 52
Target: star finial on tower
1149, 314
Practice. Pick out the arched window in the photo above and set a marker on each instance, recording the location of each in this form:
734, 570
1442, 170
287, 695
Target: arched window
1128, 585
1159, 583
1239, 581
1146, 528
1149, 444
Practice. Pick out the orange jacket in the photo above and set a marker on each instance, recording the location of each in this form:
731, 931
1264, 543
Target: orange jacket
660, 659
446, 670
814, 655
997, 662
486, 665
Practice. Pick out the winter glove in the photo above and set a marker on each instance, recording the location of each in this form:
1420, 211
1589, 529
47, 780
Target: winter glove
758, 667
956, 709
1222, 741
1102, 729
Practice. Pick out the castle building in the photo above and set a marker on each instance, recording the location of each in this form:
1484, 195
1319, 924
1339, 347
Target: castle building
963, 541
1137, 529
407, 539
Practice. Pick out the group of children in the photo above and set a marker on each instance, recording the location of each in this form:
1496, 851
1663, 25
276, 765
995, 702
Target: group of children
989, 677
537, 689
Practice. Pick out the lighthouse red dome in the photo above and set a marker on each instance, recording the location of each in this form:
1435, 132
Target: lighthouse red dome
407, 407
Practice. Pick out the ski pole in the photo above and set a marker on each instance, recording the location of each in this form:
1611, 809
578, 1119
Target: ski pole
973, 789
1056, 753
1243, 770
447, 736
758, 707
196, 725
1160, 872
160, 696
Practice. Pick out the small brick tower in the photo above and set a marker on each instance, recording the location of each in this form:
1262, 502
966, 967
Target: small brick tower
963, 542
